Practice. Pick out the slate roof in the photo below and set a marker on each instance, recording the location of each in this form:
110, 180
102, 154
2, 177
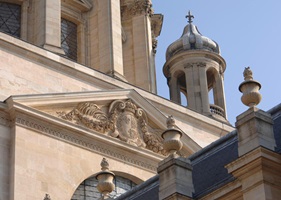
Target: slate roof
208, 164
147, 190
276, 115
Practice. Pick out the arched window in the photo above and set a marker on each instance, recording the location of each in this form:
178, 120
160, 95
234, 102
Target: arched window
69, 38
10, 19
88, 188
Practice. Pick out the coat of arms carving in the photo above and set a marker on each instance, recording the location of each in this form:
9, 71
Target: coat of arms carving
123, 119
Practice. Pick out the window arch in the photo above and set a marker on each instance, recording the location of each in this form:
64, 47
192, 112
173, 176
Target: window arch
88, 188
10, 18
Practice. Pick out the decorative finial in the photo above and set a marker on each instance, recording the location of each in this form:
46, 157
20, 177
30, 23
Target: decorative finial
250, 89
104, 165
47, 197
171, 122
189, 16
105, 180
248, 74
172, 136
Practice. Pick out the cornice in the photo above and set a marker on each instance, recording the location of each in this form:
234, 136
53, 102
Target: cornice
253, 160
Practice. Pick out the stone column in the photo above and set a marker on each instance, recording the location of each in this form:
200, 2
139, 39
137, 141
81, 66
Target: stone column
174, 89
219, 95
110, 38
202, 102
190, 89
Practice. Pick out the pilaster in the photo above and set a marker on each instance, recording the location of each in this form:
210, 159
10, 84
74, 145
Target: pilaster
110, 38
139, 46
50, 19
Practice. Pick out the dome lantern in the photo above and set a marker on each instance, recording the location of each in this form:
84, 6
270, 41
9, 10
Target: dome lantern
195, 71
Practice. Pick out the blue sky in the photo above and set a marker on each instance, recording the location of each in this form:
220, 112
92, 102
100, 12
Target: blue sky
248, 33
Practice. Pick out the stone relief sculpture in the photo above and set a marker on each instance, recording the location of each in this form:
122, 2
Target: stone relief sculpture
127, 122
89, 115
124, 120
136, 7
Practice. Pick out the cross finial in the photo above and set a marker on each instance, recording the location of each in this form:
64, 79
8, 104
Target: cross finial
189, 16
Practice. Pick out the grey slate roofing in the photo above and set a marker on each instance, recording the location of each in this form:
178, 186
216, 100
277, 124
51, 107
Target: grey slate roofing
276, 115
208, 164
208, 172
147, 190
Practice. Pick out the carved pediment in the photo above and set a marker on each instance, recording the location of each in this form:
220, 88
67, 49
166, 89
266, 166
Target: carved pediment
121, 119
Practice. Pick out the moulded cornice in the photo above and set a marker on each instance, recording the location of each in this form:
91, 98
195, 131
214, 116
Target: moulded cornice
253, 160
43, 101
193, 54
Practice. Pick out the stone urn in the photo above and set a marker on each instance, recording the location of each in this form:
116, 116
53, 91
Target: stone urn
105, 180
250, 89
172, 137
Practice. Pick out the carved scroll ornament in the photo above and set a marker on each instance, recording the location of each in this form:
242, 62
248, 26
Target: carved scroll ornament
138, 7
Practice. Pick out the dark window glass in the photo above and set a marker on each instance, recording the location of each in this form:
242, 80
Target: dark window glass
10, 18
69, 38
88, 188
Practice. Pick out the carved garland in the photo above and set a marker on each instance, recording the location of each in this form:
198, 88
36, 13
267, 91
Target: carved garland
124, 121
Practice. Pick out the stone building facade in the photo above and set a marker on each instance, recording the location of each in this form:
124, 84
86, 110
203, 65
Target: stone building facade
78, 85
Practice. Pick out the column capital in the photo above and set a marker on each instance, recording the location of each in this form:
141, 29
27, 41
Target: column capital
188, 65
201, 64
136, 8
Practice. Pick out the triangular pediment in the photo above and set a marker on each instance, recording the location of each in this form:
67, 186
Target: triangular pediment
103, 113
120, 114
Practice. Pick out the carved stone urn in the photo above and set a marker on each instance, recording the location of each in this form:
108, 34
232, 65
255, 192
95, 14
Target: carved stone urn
250, 89
172, 136
105, 180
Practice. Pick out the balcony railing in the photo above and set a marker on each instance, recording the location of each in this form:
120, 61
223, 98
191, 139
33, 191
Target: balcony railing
217, 110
